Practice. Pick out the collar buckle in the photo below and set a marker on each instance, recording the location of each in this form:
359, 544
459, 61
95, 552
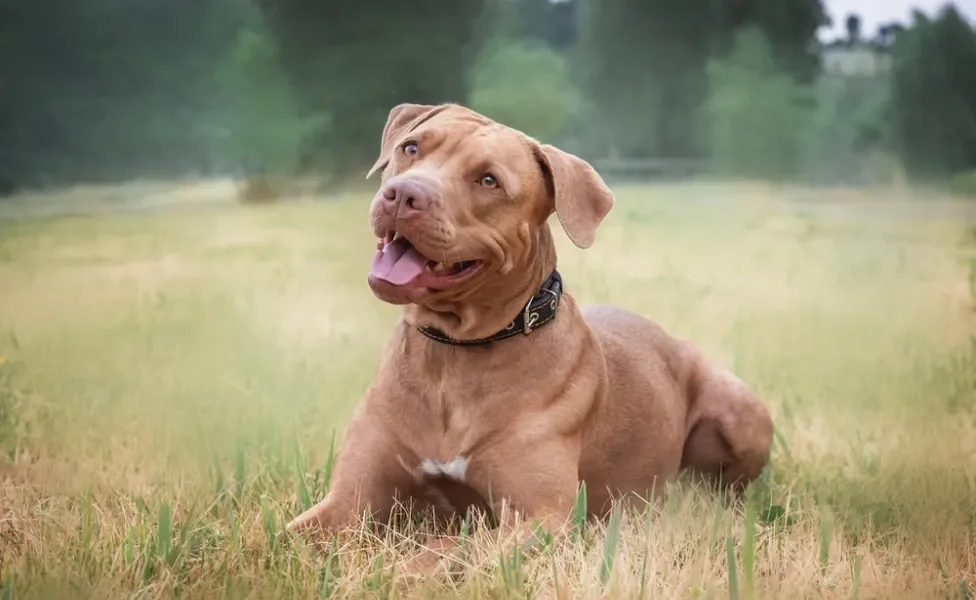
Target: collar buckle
528, 318
539, 310
531, 317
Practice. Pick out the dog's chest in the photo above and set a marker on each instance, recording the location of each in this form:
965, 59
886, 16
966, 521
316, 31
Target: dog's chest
455, 469
450, 425
444, 484
441, 467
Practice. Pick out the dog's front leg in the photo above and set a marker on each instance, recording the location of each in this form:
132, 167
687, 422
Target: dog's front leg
532, 489
527, 488
367, 478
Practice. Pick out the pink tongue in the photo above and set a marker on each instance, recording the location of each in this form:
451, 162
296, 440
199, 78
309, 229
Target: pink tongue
398, 263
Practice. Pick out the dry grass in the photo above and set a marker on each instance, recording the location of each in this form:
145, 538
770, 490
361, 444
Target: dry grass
173, 381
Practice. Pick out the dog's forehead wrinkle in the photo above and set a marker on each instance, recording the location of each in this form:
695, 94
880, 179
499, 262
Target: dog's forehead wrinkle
488, 142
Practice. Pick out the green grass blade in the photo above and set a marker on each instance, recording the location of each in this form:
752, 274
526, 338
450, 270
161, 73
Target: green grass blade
781, 442
130, 546
89, 527
304, 497
964, 592
148, 568
733, 577
511, 571
826, 536
270, 524
163, 531
239, 473
610, 546
327, 580
648, 522
330, 462
749, 545
184, 535
235, 531
7, 587
374, 583
579, 513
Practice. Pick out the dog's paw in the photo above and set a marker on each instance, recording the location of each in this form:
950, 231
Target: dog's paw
434, 564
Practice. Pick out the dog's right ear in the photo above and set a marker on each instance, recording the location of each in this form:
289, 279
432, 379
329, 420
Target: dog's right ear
402, 118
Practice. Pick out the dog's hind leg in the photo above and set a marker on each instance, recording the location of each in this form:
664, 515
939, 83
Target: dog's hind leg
729, 429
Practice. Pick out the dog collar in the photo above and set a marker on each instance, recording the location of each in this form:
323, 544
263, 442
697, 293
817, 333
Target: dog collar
539, 310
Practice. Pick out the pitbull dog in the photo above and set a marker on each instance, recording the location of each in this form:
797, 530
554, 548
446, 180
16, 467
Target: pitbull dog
495, 388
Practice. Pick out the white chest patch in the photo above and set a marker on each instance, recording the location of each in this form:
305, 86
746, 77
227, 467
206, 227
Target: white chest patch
456, 468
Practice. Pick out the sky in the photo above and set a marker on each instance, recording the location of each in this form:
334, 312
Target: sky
874, 12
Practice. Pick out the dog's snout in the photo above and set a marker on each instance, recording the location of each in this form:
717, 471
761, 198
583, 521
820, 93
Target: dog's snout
409, 193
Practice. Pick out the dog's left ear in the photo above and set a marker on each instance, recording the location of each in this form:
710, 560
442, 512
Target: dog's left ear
402, 118
581, 198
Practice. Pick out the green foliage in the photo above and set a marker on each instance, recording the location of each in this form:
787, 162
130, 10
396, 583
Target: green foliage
113, 90
848, 124
525, 86
964, 184
828, 136
754, 111
105, 90
934, 95
265, 130
642, 64
356, 60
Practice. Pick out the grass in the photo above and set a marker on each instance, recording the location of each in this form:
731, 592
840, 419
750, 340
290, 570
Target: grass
173, 386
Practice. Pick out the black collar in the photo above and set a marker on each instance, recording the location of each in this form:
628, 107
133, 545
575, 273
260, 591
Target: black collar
539, 310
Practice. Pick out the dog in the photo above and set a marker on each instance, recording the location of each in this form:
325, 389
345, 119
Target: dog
496, 391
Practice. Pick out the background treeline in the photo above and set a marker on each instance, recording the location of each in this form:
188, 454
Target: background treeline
104, 90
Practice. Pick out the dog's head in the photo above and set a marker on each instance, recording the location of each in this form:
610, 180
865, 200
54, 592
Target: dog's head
462, 210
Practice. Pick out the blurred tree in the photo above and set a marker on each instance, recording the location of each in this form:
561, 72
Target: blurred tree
934, 95
105, 90
755, 111
853, 26
888, 33
642, 70
356, 60
526, 86
644, 63
849, 123
554, 23
790, 26
263, 129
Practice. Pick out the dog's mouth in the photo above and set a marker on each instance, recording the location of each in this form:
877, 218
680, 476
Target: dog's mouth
399, 263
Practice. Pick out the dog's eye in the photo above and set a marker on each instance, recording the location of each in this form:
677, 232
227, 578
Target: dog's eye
488, 180
411, 149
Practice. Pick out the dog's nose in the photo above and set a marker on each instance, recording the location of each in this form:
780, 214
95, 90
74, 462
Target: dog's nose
409, 193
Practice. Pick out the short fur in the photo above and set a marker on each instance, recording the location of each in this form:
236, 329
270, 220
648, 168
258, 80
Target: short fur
599, 394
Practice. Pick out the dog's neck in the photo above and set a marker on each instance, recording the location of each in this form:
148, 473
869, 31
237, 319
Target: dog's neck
494, 307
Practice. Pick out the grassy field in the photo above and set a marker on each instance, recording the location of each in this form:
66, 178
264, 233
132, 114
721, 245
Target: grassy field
172, 382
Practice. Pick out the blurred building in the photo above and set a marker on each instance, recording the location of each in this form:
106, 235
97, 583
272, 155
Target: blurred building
855, 58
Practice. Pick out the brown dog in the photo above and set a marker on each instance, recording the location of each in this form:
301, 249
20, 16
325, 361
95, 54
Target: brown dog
495, 387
